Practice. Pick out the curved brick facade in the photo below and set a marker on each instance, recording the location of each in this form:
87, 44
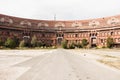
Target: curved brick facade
51, 32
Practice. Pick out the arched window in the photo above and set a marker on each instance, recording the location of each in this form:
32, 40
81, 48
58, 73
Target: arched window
25, 23
94, 23
76, 24
42, 24
113, 21
6, 20
59, 24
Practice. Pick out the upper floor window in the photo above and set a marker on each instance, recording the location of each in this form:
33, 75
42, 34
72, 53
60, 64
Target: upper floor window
43, 35
94, 23
42, 24
6, 20
111, 33
101, 40
76, 24
113, 21
60, 24
25, 23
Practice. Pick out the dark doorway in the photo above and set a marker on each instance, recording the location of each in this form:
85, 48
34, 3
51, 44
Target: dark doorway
59, 40
93, 42
93, 45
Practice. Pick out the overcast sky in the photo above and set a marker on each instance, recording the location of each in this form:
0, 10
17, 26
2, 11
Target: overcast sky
64, 9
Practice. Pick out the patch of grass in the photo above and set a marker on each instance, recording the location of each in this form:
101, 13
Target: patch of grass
115, 64
109, 56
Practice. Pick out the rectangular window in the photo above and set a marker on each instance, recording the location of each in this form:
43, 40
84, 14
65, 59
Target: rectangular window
101, 40
76, 35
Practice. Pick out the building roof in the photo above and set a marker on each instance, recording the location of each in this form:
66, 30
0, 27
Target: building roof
82, 24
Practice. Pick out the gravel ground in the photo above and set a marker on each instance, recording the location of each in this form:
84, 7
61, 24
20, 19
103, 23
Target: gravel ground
9, 58
59, 64
109, 57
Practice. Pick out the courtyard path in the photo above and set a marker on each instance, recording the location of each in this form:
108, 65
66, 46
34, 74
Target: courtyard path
65, 65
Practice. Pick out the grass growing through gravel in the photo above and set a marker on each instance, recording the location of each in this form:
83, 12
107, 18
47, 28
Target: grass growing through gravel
111, 61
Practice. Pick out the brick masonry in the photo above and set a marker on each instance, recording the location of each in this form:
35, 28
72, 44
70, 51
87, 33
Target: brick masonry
53, 32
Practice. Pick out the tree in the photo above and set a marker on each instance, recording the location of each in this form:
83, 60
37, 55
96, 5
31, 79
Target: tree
84, 43
22, 43
16, 41
79, 45
39, 44
110, 42
72, 45
34, 41
64, 44
10, 43
1, 42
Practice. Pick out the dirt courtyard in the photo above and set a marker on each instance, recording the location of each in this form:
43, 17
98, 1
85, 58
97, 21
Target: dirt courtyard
15, 63
9, 58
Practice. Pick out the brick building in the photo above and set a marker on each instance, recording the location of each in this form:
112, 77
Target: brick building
51, 32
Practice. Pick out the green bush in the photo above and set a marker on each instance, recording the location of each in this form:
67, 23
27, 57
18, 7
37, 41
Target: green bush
72, 46
110, 42
84, 43
10, 43
103, 47
39, 44
16, 41
1, 43
64, 44
78, 45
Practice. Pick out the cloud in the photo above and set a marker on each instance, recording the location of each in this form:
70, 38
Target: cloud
64, 9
